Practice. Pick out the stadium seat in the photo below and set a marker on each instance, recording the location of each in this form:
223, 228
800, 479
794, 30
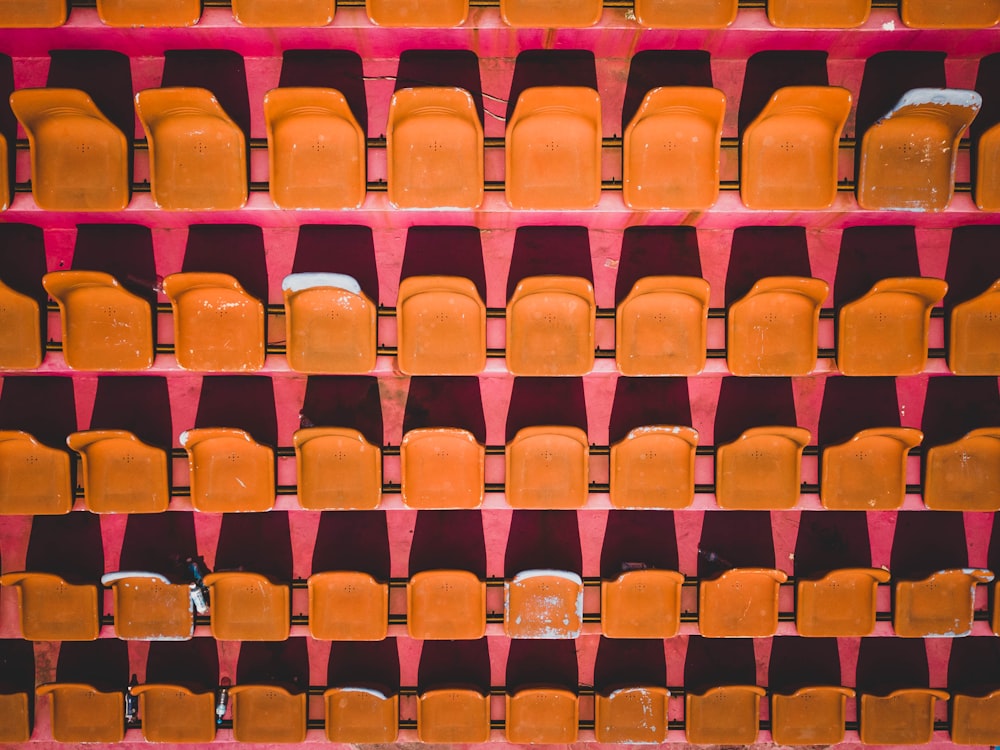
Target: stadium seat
957, 14
548, 468
268, 714
552, 14
417, 13
761, 469
987, 186
347, 605
230, 471
15, 718
840, 604
453, 715
442, 467
975, 719
20, 331
903, 717
81, 713
740, 603
868, 472
686, 14
149, 13
173, 713
337, 469
148, 607
939, 605
631, 715
357, 715
52, 609
642, 604
805, 14
653, 467
810, 716
40, 14
271, 13
121, 474
34, 478
543, 604
441, 326
974, 347
248, 607
446, 605
550, 326
727, 715
542, 716
962, 475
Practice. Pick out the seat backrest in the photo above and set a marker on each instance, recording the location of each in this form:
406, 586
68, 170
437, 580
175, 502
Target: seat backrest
149, 13
347, 605
810, 715
271, 13
632, 715
653, 467
446, 605
267, 713
548, 467
740, 602
550, 326
34, 478
761, 469
868, 472
974, 347
20, 330
842, 603
361, 715
686, 14
337, 469
442, 467
417, 13
959, 475
173, 713
81, 713
453, 715
543, 604
230, 471
441, 326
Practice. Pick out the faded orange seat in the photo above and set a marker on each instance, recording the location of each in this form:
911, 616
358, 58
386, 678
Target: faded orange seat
79, 159
191, 137
543, 604
661, 327
15, 719
453, 715
442, 467
728, 715
633, 715
337, 469
121, 474
542, 716
81, 713
34, 478
987, 186
761, 469
218, 326
446, 605
441, 326
653, 467
357, 715
417, 13
642, 604
964, 475
940, 605
33, 13
552, 14
838, 604
904, 717
270, 13
975, 720
316, 148
149, 13
434, 149
51, 609
774, 329
908, 157
347, 605
230, 471
741, 602
553, 148
148, 607
686, 14
20, 331
955, 14
791, 149
173, 713
810, 716
248, 607
550, 326
868, 472
885, 332
104, 326
548, 467
974, 348
806, 14
268, 713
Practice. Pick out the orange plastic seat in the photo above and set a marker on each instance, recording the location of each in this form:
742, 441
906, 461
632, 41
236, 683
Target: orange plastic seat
15, 719
653, 467
964, 475
941, 605
347, 605
987, 186
337, 469
542, 716
270, 13
953, 14
417, 13
173, 713
661, 327
633, 715
728, 715
218, 326
686, 14
37, 14
104, 326
974, 347
553, 148
149, 13
885, 332
552, 14
191, 137
741, 602
810, 716
51, 609
975, 720
548, 467
642, 604
441, 326
248, 607
447, 605
442, 467
268, 713
904, 717
805, 14
34, 478
330, 324
79, 159
80, 713
453, 715
761, 469
774, 329
868, 472
20, 331
357, 715
121, 474
838, 604
148, 607
550, 326
316, 148
543, 604
434, 149
908, 157
791, 149
230, 471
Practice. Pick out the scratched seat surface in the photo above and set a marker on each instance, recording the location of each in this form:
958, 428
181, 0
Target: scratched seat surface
148, 607
121, 474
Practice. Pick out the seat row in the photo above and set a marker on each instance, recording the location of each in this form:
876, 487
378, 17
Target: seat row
553, 147
538, 604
